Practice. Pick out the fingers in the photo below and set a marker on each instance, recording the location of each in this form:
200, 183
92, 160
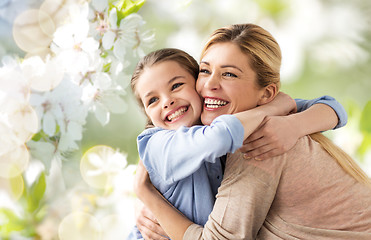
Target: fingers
259, 153
148, 234
150, 229
269, 154
147, 223
254, 145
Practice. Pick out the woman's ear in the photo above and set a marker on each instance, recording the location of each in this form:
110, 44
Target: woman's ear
269, 94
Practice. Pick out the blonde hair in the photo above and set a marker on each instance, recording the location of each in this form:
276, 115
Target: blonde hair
343, 159
265, 59
258, 44
186, 61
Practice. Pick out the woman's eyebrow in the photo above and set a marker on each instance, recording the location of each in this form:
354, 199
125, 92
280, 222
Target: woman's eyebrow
224, 66
231, 66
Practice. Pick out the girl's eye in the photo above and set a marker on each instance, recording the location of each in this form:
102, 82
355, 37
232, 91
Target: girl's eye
202, 70
152, 100
176, 85
229, 74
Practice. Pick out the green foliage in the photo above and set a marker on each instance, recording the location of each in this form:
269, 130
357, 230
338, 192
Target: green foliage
273, 8
33, 210
126, 7
365, 127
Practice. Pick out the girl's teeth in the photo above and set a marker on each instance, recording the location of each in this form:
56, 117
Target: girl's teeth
177, 113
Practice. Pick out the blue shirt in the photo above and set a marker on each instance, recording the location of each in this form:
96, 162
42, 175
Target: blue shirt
184, 164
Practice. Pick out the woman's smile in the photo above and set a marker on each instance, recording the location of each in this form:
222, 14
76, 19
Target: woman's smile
212, 103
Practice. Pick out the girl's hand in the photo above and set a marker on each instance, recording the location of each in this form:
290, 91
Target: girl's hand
141, 181
283, 104
147, 223
274, 137
145, 220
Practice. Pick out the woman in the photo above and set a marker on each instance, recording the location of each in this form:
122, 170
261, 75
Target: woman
306, 193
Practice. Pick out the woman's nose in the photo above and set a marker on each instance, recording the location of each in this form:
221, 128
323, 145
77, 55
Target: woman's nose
212, 82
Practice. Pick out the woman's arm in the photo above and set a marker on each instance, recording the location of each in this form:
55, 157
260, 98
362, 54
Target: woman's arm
279, 134
242, 203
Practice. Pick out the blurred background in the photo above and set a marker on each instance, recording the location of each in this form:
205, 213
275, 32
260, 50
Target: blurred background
326, 48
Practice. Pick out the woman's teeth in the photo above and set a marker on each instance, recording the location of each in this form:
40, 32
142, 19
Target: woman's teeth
177, 113
213, 103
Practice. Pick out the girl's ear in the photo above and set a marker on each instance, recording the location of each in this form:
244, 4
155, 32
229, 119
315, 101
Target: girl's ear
269, 94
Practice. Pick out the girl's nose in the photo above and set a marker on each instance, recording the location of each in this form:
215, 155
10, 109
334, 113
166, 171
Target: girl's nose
168, 103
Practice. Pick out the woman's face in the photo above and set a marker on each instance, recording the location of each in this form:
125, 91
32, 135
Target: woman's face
226, 82
169, 97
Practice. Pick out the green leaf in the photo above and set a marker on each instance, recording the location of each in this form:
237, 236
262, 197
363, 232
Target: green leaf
11, 223
106, 67
36, 193
126, 7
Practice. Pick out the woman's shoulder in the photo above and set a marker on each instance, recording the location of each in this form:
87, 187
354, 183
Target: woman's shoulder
305, 148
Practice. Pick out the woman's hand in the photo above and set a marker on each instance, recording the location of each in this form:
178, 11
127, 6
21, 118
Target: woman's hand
274, 137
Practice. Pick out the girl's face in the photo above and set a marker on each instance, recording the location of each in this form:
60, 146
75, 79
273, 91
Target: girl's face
226, 82
169, 97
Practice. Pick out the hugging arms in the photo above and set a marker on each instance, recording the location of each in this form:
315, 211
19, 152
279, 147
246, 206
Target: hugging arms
239, 81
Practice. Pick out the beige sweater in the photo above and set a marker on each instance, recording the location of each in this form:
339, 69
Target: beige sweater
302, 194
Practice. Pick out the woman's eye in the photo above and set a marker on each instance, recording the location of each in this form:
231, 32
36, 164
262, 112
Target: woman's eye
176, 85
229, 74
204, 70
152, 100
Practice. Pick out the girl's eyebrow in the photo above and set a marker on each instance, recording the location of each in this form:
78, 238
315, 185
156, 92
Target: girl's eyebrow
175, 78
224, 66
169, 82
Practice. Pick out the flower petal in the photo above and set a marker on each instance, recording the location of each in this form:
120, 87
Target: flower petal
108, 39
49, 124
101, 114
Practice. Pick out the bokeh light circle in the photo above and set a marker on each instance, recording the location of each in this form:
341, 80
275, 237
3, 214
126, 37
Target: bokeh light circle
14, 161
78, 226
92, 166
115, 227
33, 30
13, 186
24, 121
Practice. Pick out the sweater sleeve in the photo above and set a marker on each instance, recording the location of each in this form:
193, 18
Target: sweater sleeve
243, 200
175, 155
303, 105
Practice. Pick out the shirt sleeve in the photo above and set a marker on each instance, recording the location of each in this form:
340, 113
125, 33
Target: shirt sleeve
175, 155
243, 201
303, 105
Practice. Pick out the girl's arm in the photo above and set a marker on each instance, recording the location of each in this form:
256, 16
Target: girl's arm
174, 155
172, 221
279, 134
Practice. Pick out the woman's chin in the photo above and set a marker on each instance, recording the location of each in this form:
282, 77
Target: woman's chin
207, 119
